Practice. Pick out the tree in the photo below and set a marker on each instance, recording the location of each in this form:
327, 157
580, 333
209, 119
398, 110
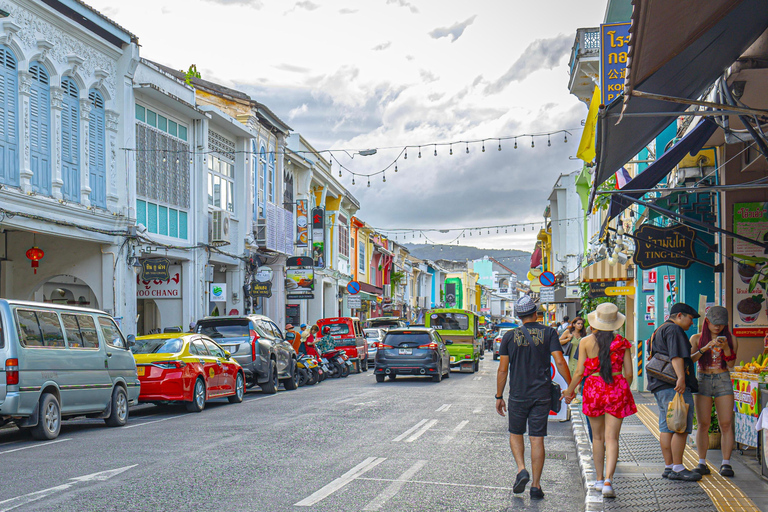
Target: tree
190, 74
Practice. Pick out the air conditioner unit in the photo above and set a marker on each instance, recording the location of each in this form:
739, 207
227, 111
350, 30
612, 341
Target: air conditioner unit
220, 228
260, 231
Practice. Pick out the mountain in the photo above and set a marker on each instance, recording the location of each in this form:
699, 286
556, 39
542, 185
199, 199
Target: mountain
519, 261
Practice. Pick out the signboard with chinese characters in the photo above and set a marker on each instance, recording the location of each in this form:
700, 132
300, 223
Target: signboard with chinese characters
155, 269
318, 237
302, 222
160, 289
614, 47
750, 318
300, 278
664, 246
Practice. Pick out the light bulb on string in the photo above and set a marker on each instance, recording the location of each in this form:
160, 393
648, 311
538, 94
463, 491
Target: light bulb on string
483, 147
505, 230
163, 159
405, 157
339, 172
353, 180
467, 148
177, 160
450, 151
419, 151
499, 144
532, 144
191, 161
549, 141
435, 149
384, 178
565, 137
497, 231
395, 167
369, 182
515, 142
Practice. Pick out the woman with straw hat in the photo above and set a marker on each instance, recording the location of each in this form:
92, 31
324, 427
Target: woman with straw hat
605, 359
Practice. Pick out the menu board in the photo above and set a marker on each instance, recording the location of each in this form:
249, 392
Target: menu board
750, 316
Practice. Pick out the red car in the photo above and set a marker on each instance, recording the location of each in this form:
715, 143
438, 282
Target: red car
190, 368
349, 336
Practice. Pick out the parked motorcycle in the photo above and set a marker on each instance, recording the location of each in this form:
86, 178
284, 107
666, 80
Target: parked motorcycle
339, 363
309, 370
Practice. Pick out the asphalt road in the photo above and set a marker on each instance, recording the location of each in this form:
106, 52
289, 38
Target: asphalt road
343, 445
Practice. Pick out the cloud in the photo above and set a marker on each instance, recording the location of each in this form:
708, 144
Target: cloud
347, 10
454, 31
404, 3
427, 76
382, 46
292, 68
307, 5
540, 54
256, 4
298, 111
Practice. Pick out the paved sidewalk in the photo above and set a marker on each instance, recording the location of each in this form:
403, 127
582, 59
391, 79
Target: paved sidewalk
638, 482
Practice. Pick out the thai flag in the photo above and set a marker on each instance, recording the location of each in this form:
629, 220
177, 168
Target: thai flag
622, 177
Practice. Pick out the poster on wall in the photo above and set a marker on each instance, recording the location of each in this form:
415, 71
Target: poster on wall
160, 289
318, 237
750, 317
300, 278
670, 295
302, 229
649, 280
218, 292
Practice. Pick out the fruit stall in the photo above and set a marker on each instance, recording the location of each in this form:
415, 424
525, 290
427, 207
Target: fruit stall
747, 379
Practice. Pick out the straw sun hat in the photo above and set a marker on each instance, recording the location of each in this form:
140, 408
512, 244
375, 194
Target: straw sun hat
606, 317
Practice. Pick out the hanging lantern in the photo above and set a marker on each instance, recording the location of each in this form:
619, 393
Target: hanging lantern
35, 254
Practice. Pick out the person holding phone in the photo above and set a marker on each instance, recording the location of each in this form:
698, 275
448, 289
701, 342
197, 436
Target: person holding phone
714, 349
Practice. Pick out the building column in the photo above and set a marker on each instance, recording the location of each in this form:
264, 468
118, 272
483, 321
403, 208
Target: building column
57, 105
25, 92
113, 199
85, 172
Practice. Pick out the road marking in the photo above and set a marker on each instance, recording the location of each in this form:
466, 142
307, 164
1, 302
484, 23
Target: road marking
477, 378
36, 445
409, 431
461, 425
477, 411
260, 398
451, 484
419, 432
443, 408
101, 476
446, 440
153, 421
354, 473
393, 488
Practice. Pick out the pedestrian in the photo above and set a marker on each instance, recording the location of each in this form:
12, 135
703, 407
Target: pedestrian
303, 332
308, 346
715, 351
564, 325
292, 337
671, 340
525, 356
570, 339
606, 361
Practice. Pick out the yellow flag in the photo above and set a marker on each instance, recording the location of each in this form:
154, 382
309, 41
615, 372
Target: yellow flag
587, 143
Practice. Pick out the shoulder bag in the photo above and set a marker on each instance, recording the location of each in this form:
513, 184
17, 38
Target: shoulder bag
659, 366
555, 393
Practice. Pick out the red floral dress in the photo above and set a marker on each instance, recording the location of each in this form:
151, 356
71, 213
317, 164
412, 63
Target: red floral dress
601, 398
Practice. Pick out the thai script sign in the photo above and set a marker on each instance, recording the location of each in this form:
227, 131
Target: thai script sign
614, 47
155, 269
750, 317
318, 237
302, 234
664, 246
160, 289
259, 289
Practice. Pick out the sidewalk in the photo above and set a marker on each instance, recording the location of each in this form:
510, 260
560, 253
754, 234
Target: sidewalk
638, 481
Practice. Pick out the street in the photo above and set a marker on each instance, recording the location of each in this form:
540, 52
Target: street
343, 445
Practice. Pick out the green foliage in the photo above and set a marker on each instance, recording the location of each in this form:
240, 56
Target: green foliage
714, 427
602, 201
396, 278
588, 304
190, 74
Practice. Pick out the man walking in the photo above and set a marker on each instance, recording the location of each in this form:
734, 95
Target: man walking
526, 352
563, 326
671, 340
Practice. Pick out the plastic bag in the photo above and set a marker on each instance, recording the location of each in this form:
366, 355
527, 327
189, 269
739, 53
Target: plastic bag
677, 414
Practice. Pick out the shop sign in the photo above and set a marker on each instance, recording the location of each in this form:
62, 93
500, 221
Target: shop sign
614, 48
302, 224
745, 394
300, 278
649, 280
613, 291
664, 246
259, 289
597, 289
218, 292
264, 274
318, 237
155, 269
547, 294
670, 295
354, 302
160, 289
750, 317
572, 292
650, 307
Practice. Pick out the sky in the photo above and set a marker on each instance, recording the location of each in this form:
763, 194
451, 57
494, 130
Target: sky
360, 74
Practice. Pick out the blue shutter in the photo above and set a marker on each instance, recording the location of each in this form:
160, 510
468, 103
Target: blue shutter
70, 141
272, 177
40, 129
255, 162
96, 153
9, 103
263, 198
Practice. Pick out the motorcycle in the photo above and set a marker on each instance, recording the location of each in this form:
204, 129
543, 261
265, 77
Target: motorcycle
338, 362
309, 371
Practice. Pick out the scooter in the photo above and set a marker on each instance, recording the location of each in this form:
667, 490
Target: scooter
309, 370
339, 363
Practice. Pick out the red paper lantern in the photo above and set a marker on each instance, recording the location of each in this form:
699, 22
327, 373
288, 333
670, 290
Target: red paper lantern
35, 254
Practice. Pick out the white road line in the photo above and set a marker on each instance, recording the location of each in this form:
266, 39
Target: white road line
419, 432
446, 440
36, 445
443, 408
451, 484
477, 411
477, 378
260, 398
408, 432
150, 422
461, 425
393, 488
357, 471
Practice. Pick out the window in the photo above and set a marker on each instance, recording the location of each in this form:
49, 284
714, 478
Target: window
80, 330
214, 349
163, 171
51, 328
97, 158
161, 122
338, 329
410, 339
9, 114
343, 236
40, 129
277, 331
70, 140
88, 331
39, 329
160, 346
221, 183
271, 183
196, 348
230, 329
262, 180
111, 333
449, 321
361, 256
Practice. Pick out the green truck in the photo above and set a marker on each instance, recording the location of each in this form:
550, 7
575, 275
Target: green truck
462, 328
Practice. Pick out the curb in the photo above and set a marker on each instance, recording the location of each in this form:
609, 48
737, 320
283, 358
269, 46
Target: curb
593, 500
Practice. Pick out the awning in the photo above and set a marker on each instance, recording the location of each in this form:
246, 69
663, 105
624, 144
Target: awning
373, 290
677, 49
603, 271
690, 144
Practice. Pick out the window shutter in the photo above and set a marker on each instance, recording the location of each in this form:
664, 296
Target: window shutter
40, 129
9, 161
96, 153
70, 138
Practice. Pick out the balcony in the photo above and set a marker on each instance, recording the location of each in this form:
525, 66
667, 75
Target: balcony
585, 63
275, 232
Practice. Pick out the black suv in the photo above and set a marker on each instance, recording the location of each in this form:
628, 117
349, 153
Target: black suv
412, 351
258, 345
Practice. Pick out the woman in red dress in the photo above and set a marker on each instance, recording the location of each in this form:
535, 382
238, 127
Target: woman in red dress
606, 362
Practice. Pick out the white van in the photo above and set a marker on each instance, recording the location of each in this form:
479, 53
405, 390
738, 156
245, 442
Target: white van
58, 361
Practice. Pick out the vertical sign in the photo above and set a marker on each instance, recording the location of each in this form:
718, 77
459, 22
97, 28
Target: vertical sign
649, 280
318, 237
614, 46
749, 268
450, 294
302, 234
670, 295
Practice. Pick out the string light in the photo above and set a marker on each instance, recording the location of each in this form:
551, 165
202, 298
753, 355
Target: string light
549, 142
515, 142
369, 182
395, 167
483, 147
532, 144
499, 144
435, 149
177, 160
353, 180
467, 148
419, 151
565, 138
163, 159
384, 178
451, 150
406, 154
339, 172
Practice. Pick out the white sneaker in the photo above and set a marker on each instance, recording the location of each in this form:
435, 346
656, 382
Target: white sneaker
598, 485
608, 490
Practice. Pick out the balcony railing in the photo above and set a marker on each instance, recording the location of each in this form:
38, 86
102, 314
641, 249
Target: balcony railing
587, 44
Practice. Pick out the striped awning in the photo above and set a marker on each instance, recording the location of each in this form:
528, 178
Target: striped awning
603, 271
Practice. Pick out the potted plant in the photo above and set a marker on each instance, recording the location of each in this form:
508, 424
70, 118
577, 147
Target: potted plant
714, 430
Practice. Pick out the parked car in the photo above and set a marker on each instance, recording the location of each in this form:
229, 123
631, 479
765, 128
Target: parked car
497, 341
412, 351
348, 335
61, 361
190, 368
373, 337
258, 345
384, 322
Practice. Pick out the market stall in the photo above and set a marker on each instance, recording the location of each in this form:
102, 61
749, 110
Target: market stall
746, 394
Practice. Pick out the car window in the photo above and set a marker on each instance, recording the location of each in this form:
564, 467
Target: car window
449, 321
159, 346
214, 349
88, 331
229, 329
53, 336
39, 329
437, 337
372, 333
72, 329
411, 339
277, 331
111, 333
266, 328
29, 330
338, 329
196, 348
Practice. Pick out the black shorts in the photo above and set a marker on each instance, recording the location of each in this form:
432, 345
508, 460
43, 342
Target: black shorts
534, 412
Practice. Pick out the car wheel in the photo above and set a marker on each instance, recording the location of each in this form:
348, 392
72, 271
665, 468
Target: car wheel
239, 390
270, 387
118, 415
380, 377
439, 376
476, 368
291, 382
49, 421
198, 396
392, 376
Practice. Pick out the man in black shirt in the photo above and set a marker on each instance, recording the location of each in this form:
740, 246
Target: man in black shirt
671, 340
526, 352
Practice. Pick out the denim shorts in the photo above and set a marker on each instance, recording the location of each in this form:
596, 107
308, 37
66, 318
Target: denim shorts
534, 412
715, 384
663, 399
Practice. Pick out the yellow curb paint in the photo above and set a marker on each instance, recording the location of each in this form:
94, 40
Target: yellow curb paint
723, 493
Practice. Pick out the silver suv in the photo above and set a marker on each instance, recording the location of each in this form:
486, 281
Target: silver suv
258, 345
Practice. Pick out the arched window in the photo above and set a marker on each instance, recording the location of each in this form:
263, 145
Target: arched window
40, 129
97, 161
70, 140
271, 183
262, 179
9, 115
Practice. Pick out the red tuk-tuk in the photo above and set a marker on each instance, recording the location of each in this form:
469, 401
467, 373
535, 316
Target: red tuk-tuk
348, 335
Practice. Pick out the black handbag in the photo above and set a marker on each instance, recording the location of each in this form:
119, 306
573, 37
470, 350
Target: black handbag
659, 366
555, 392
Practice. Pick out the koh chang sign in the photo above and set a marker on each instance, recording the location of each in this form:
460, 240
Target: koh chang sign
614, 49
664, 246
158, 288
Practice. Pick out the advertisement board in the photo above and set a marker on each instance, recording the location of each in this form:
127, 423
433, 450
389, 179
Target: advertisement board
218, 292
318, 237
670, 295
302, 223
155, 269
300, 278
160, 289
750, 317
614, 48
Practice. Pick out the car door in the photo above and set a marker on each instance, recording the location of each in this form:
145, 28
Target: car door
224, 369
205, 362
120, 360
216, 367
284, 350
441, 350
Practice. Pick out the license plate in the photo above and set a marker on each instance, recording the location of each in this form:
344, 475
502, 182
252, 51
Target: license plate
140, 371
453, 359
349, 363
405, 351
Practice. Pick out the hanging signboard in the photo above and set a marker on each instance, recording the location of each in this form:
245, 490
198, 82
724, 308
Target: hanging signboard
750, 318
300, 278
264, 274
218, 292
664, 246
158, 289
670, 295
649, 280
155, 269
547, 294
302, 230
614, 47
613, 291
318, 237
260, 289
597, 289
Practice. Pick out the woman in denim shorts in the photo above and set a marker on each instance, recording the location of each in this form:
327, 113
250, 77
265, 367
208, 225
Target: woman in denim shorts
715, 351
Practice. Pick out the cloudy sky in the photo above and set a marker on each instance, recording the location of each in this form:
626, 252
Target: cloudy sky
359, 74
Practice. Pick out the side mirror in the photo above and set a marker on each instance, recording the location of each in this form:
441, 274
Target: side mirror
449, 342
131, 340
227, 354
